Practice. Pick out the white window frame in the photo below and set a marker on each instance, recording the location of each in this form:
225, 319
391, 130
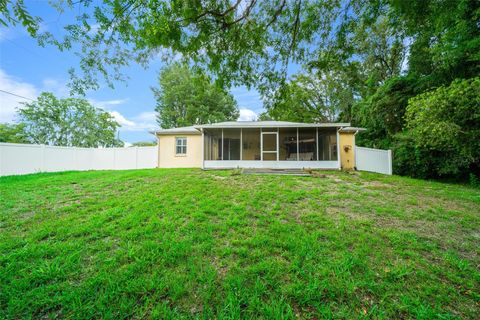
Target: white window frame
182, 146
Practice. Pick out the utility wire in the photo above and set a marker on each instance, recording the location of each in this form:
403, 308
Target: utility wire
24, 48
16, 95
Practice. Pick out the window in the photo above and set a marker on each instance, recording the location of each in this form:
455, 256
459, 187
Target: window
181, 146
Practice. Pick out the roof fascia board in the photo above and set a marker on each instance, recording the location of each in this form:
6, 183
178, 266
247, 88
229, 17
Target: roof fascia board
300, 125
160, 133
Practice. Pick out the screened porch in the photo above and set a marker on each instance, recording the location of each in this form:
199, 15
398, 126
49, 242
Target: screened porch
287, 147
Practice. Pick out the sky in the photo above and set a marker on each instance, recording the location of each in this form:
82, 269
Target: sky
27, 69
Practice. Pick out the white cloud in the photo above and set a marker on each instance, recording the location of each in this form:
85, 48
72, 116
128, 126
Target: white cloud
247, 115
145, 121
150, 117
124, 122
107, 104
8, 102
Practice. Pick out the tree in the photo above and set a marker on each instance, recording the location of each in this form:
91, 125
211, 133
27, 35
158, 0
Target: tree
445, 124
310, 98
365, 53
186, 97
383, 112
13, 133
14, 12
67, 122
250, 42
445, 37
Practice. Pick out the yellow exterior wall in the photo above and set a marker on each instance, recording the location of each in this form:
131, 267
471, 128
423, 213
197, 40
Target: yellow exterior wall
347, 150
166, 152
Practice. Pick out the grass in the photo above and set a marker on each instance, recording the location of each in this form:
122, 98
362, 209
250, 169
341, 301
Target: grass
185, 243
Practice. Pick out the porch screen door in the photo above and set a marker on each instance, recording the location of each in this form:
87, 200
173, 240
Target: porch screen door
269, 146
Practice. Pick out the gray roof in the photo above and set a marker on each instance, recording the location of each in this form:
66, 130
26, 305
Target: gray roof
179, 130
352, 129
253, 124
268, 124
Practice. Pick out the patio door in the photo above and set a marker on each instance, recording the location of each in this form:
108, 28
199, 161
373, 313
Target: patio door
269, 144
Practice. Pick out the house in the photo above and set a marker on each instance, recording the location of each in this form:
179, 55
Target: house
258, 144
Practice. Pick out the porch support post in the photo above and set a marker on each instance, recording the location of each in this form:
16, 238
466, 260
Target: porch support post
298, 147
222, 145
261, 144
278, 146
241, 144
316, 139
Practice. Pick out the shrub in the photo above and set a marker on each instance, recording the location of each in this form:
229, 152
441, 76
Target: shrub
443, 128
474, 180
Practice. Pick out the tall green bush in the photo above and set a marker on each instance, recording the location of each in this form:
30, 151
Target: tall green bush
444, 128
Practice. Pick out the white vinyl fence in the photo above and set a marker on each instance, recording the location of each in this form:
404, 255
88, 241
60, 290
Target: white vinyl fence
32, 158
374, 160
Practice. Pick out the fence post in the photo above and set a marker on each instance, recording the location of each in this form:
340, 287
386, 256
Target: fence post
390, 169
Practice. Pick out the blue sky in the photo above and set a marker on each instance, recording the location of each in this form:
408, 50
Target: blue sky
27, 69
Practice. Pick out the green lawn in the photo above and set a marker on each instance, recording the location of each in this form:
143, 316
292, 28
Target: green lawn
192, 244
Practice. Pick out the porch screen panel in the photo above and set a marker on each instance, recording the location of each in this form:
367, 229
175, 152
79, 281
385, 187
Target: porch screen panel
287, 138
307, 144
231, 144
327, 144
250, 144
213, 143
269, 142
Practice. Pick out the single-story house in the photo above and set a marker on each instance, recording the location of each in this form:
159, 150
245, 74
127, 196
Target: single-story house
258, 144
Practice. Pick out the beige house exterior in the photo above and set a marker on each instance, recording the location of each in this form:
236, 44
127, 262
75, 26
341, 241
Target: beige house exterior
167, 153
258, 144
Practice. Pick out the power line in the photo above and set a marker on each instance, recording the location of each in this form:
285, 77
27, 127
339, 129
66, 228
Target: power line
24, 48
16, 95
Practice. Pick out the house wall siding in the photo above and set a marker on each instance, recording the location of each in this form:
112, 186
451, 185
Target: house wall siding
167, 157
347, 150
